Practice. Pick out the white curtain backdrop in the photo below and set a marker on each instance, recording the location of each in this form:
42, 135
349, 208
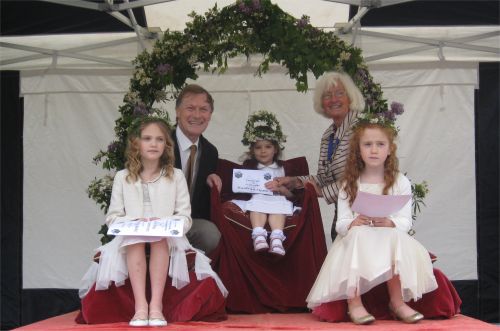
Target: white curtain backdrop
69, 116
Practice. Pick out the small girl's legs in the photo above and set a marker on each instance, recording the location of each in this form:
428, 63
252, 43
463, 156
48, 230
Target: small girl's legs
158, 269
277, 223
136, 264
259, 234
357, 312
398, 306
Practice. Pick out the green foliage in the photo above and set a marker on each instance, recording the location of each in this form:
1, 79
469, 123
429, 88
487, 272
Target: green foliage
419, 191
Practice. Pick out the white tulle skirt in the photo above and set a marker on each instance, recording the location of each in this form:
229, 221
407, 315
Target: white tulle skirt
112, 266
368, 256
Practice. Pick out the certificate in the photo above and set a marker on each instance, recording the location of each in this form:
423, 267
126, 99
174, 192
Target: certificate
375, 205
251, 181
161, 227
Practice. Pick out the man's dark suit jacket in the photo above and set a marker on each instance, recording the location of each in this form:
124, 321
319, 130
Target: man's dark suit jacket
200, 202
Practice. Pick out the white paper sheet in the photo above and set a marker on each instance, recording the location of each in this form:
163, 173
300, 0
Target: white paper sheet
251, 181
162, 227
375, 205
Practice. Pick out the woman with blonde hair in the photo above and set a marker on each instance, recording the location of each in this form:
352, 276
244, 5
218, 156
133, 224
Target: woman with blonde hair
337, 98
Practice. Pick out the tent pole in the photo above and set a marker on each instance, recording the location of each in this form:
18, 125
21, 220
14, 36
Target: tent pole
136, 27
73, 49
51, 53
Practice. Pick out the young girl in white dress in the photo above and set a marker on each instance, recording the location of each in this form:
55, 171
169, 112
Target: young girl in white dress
264, 136
370, 251
149, 188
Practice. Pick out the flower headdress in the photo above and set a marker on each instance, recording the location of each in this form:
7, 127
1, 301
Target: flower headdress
263, 125
139, 121
386, 118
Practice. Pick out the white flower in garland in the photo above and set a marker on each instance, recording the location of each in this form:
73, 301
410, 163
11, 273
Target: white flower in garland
263, 125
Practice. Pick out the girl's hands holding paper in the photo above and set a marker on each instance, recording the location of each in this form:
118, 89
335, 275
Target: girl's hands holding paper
382, 222
360, 220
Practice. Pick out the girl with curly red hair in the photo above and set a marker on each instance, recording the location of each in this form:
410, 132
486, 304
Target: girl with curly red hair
373, 250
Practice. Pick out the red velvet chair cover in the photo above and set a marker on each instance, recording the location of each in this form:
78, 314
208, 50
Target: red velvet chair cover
262, 282
197, 301
443, 302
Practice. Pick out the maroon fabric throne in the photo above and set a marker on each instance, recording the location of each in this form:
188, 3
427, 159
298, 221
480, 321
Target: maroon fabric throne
261, 282
200, 300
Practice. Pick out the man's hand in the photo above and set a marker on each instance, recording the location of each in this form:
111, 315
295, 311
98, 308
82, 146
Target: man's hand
214, 179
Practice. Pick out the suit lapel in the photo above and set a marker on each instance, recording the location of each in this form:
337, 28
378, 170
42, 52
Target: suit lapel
177, 153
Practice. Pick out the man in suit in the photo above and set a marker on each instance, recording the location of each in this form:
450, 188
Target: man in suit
197, 158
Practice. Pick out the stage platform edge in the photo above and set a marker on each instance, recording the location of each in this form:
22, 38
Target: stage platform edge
303, 321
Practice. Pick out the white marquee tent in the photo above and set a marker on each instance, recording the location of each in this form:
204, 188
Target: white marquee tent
73, 84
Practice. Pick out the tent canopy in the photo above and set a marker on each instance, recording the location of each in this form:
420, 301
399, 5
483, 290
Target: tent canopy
117, 50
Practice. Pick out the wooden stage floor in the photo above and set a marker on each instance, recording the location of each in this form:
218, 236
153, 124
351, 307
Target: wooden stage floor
279, 322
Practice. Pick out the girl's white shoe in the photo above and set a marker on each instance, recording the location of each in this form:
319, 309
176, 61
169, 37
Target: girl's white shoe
276, 241
159, 320
137, 320
260, 243
277, 247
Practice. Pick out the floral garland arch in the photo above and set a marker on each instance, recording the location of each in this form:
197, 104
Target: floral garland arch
208, 41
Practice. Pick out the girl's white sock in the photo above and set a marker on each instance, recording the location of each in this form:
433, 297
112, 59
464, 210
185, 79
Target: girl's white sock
259, 231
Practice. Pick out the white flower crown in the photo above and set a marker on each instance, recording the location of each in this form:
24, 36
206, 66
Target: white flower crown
263, 125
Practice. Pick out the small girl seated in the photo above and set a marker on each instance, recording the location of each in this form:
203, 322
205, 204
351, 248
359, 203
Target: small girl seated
264, 136
372, 250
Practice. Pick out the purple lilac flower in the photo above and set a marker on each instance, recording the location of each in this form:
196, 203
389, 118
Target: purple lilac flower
244, 9
302, 22
256, 4
163, 69
141, 109
397, 108
113, 147
389, 115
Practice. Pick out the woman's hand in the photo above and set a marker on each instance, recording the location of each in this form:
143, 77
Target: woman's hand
361, 220
273, 185
290, 183
382, 222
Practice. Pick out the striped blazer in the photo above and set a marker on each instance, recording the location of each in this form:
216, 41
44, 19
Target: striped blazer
330, 172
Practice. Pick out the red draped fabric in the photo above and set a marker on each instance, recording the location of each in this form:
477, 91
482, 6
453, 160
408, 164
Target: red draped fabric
197, 301
262, 282
443, 302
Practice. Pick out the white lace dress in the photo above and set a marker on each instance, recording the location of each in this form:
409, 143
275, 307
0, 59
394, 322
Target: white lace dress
364, 257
